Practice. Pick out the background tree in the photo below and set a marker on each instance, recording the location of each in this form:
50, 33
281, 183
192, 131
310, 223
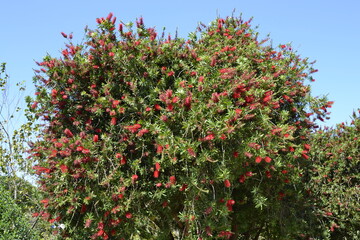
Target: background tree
18, 197
335, 180
165, 138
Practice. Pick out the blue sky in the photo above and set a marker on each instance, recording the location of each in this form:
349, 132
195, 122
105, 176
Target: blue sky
325, 31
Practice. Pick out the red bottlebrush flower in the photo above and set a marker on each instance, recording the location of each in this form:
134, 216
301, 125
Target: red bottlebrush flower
248, 174
247, 154
157, 107
128, 215
267, 99
64, 168
209, 137
133, 128
172, 179
213, 61
258, 159
87, 223
201, 79
123, 160
235, 154
142, 132
227, 183
222, 137
64, 34
157, 166
307, 147
291, 149
171, 73
215, 97
242, 178
134, 178
187, 102
83, 208
191, 152
34, 105
68, 133
156, 174
113, 121
109, 16
267, 159
58, 145
159, 148
111, 54
238, 111
254, 145
305, 156
96, 138
170, 107
229, 204
183, 187
276, 130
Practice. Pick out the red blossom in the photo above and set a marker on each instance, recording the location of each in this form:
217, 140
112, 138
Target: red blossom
64, 168
191, 152
242, 178
172, 179
267, 159
209, 137
133, 128
229, 204
227, 183
134, 178
113, 121
95, 138
68, 133
159, 148
258, 159
142, 132
305, 156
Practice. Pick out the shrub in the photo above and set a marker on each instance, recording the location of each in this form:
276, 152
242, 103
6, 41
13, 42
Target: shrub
335, 180
165, 138
13, 223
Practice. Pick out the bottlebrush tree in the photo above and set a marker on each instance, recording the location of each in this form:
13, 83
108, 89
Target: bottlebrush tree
334, 182
149, 137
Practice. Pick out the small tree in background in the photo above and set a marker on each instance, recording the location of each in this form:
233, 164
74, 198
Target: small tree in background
335, 180
165, 138
17, 196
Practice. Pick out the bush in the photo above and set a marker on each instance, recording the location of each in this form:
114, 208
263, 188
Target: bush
335, 180
13, 223
165, 138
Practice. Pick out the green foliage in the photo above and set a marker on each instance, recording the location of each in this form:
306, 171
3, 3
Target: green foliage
13, 223
335, 180
154, 138
18, 197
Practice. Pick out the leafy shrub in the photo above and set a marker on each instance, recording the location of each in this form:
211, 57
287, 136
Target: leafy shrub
13, 223
165, 138
335, 180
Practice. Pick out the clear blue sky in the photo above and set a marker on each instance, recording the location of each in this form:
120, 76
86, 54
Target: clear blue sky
324, 30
